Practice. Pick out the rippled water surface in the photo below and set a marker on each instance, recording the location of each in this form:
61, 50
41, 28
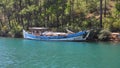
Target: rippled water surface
20, 53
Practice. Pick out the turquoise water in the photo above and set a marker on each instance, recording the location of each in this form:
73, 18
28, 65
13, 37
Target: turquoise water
20, 53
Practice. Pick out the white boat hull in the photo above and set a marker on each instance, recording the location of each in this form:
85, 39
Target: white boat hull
70, 37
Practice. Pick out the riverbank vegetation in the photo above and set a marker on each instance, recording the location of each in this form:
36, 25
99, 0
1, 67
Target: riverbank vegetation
76, 15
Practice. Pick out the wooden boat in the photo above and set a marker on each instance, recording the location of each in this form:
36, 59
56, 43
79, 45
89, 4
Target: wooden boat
46, 35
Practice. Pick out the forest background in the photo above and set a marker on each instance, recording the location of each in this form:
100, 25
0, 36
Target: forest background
76, 15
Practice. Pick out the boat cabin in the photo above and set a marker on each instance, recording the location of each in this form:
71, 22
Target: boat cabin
38, 30
41, 31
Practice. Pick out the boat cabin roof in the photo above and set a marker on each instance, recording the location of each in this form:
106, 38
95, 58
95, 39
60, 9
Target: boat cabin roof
38, 28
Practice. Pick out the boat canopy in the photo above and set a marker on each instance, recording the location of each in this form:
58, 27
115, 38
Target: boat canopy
38, 28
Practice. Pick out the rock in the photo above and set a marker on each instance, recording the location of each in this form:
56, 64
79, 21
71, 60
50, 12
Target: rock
115, 37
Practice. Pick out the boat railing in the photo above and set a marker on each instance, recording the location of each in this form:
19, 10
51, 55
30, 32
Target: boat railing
88, 33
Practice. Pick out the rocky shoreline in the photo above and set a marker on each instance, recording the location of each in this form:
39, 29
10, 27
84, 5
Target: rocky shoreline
115, 36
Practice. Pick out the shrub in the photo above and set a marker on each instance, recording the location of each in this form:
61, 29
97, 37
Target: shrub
118, 6
104, 35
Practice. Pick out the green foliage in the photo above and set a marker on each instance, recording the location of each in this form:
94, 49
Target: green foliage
4, 31
104, 35
28, 9
67, 10
117, 6
107, 23
116, 25
92, 6
16, 30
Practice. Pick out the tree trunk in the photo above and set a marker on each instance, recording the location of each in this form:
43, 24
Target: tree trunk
101, 13
105, 9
